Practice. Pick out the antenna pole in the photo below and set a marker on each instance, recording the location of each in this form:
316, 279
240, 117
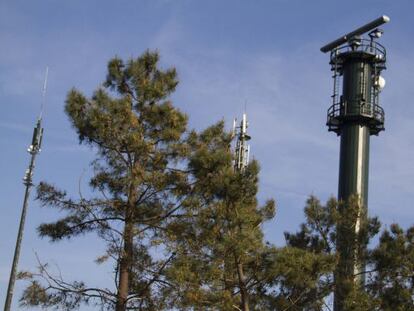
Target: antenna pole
33, 149
241, 161
355, 115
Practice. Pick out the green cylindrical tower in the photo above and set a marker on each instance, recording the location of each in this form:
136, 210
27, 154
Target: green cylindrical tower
356, 121
355, 115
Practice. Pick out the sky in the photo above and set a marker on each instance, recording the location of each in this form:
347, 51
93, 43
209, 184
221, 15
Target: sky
260, 57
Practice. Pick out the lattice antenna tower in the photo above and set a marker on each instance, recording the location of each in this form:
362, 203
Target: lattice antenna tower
242, 148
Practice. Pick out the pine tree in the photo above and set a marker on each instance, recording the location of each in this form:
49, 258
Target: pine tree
391, 282
153, 186
138, 137
303, 269
388, 273
219, 245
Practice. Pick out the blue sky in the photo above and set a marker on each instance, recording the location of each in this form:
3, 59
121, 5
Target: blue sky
263, 55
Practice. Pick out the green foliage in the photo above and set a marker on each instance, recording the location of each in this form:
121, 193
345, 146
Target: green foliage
318, 234
315, 259
219, 243
299, 279
333, 228
158, 189
392, 283
138, 136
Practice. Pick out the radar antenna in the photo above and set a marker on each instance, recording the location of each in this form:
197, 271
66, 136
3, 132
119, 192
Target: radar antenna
357, 32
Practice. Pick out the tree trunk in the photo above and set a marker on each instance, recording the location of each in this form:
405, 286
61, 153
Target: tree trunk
124, 268
127, 253
242, 285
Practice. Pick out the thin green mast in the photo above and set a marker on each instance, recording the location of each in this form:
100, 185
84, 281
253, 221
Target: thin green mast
33, 149
355, 115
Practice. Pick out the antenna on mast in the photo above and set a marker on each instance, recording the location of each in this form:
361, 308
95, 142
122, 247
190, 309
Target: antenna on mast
233, 130
33, 149
355, 115
242, 149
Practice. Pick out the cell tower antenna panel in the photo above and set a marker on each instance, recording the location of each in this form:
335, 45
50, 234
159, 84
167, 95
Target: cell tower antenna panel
244, 124
357, 32
242, 149
233, 131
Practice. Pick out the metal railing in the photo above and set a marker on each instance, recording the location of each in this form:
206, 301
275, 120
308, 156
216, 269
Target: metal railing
365, 45
373, 113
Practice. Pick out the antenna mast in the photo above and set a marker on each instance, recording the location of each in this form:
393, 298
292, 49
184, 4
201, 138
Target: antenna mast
242, 149
355, 115
33, 149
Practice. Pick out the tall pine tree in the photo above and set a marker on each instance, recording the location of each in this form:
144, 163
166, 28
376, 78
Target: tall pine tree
219, 245
137, 134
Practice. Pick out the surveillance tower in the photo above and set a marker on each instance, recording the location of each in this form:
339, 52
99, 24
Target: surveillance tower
355, 115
